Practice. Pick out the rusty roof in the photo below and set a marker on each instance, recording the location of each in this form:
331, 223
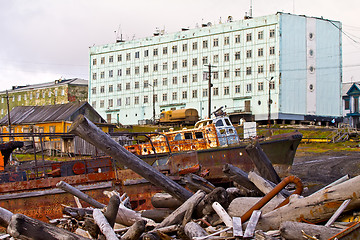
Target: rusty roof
50, 113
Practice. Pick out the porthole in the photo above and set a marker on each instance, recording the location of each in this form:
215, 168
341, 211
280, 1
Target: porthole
311, 87
311, 69
311, 52
311, 36
259, 102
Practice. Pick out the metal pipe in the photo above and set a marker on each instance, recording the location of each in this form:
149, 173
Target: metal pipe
272, 193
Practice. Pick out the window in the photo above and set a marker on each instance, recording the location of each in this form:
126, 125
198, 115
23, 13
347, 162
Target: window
226, 57
205, 92
43, 95
194, 45
155, 67
248, 54
102, 60
31, 97
127, 101
127, 86
216, 58
110, 102
118, 102
272, 50
174, 49
155, 52
118, 88
137, 70
272, 85
248, 37
248, 70
137, 85
165, 50
119, 57
146, 99
102, 74
347, 103
205, 60
184, 94
188, 135
146, 53
102, 103
261, 69
146, 68
237, 72
155, 97
226, 73
237, 38
137, 54
216, 42
111, 59
205, 44
136, 100
164, 97
194, 93
94, 61
94, 76
174, 80
184, 79
155, 83
128, 71
174, 65
260, 52
102, 89
165, 66
19, 96
260, 86
237, 56
226, 40
226, 90
248, 87
215, 75
216, 91
184, 47
194, 61
146, 83
128, 57
272, 33
174, 96
119, 72
37, 95
111, 73
62, 92
111, 88
272, 67
237, 88
194, 77
261, 35
165, 82
184, 63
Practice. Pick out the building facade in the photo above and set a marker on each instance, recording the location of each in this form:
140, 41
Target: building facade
292, 62
58, 92
351, 111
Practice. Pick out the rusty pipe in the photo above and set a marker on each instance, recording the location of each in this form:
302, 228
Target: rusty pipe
272, 193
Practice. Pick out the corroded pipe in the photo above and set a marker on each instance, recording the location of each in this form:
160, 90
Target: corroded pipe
272, 193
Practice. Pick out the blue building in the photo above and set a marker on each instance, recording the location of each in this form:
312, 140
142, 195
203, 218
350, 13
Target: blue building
292, 62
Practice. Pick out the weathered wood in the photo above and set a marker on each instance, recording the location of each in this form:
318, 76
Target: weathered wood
250, 228
177, 216
127, 216
264, 186
224, 216
5, 217
112, 210
92, 134
165, 200
340, 180
78, 213
23, 227
337, 213
240, 177
91, 227
262, 163
193, 229
103, 224
189, 212
219, 195
317, 207
168, 229
237, 227
241, 205
76, 192
195, 182
214, 234
157, 214
292, 230
135, 231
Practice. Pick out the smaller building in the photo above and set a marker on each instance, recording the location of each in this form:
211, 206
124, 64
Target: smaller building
350, 96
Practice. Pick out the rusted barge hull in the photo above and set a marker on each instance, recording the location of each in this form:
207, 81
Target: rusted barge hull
39, 198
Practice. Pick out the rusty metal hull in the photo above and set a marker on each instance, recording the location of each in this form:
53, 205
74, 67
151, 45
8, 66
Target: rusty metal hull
39, 198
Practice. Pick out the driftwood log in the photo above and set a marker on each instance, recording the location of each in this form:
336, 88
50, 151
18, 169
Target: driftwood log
265, 186
317, 207
5, 217
224, 216
112, 210
193, 230
219, 195
94, 135
293, 230
135, 231
23, 227
195, 183
103, 224
165, 200
157, 214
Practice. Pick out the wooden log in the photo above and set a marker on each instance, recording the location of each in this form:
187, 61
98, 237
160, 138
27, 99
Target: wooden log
241, 205
264, 186
23, 227
112, 210
92, 134
293, 230
5, 217
193, 230
233, 193
104, 226
177, 216
317, 207
240, 177
78, 213
168, 229
165, 200
219, 195
135, 231
250, 228
157, 214
195, 182
127, 216
224, 216
189, 212
262, 163
76, 192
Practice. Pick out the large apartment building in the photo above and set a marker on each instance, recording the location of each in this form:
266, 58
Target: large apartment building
295, 61
57, 92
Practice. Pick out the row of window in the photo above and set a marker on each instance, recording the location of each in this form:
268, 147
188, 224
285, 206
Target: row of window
194, 45
37, 95
184, 95
184, 79
184, 63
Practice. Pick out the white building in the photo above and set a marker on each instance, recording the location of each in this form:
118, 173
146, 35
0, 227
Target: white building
299, 58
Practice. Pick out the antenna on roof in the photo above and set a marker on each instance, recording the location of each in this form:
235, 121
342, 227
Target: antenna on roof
119, 31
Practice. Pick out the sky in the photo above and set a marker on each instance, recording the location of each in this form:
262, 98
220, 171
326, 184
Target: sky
45, 40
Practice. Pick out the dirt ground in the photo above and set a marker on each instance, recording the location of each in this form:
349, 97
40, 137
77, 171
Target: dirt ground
319, 169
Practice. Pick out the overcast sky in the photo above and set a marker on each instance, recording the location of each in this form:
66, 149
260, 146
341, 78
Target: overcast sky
44, 40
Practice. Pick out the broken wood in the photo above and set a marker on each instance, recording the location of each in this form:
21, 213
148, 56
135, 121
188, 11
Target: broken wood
78, 213
94, 135
224, 216
103, 224
134, 231
193, 230
112, 210
5, 217
165, 200
177, 216
293, 230
189, 212
157, 214
241, 205
264, 186
23, 227
219, 195
262, 163
195, 182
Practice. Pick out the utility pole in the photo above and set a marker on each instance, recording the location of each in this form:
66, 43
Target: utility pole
209, 90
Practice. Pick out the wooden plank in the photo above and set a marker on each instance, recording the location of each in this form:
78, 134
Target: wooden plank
224, 216
338, 212
237, 228
250, 228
